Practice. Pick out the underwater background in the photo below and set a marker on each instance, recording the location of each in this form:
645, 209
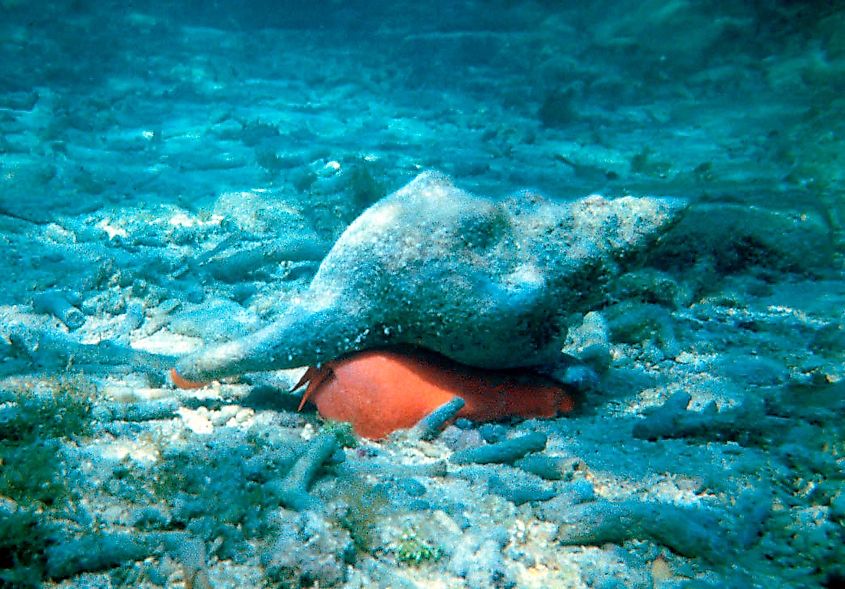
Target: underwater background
173, 173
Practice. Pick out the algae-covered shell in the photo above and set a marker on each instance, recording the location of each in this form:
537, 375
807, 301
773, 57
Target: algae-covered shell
486, 282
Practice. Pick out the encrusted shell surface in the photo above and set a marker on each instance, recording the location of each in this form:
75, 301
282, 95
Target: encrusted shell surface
490, 283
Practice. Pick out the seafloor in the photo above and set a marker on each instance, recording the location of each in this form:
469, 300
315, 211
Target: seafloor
155, 158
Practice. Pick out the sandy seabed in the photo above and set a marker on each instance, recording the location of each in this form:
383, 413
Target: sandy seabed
156, 166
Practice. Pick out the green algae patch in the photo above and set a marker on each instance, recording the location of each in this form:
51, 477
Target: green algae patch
33, 424
412, 551
343, 432
365, 505
36, 420
24, 536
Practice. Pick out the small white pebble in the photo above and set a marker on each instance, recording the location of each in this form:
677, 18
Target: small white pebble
196, 421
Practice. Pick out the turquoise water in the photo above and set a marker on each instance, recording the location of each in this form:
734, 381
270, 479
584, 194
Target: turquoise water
146, 103
173, 173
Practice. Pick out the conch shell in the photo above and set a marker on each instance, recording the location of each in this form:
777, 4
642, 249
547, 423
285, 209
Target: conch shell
488, 283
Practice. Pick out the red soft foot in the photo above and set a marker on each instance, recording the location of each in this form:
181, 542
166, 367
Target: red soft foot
184, 383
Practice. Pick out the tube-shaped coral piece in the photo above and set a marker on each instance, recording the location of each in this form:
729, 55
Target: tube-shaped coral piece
503, 452
292, 491
51, 346
430, 425
687, 531
57, 304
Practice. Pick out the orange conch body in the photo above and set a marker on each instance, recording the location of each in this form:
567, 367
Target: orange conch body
380, 391
183, 383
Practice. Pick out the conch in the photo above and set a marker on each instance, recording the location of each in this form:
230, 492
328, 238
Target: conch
488, 283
